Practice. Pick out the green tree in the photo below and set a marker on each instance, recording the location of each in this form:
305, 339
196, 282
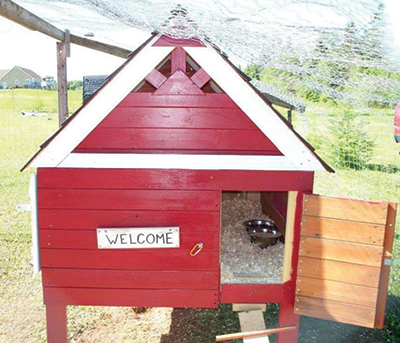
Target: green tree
351, 147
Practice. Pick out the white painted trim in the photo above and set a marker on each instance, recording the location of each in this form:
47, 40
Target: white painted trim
35, 224
255, 108
101, 105
177, 161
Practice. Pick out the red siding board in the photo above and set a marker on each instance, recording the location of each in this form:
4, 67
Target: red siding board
200, 78
158, 259
175, 179
178, 83
92, 219
87, 239
184, 118
110, 199
129, 297
209, 100
177, 139
130, 279
156, 78
251, 293
178, 60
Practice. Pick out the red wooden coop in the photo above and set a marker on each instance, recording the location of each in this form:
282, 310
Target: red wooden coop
129, 195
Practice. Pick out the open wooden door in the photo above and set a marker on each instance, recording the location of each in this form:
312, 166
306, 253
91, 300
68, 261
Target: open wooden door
344, 260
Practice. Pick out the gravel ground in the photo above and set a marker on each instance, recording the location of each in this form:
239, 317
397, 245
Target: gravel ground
242, 261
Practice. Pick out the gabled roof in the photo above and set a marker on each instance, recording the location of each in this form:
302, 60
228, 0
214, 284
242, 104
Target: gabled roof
58, 151
29, 72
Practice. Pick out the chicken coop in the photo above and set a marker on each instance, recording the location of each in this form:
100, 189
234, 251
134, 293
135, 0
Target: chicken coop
142, 194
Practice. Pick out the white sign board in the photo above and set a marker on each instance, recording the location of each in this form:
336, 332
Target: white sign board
138, 237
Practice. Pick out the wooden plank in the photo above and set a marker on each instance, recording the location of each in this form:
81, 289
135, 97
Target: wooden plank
178, 60
131, 297
174, 179
131, 139
130, 279
20, 15
336, 311
87, 239
251, 293
178, 84
200, 78
93, 219
249, 307
337, 291
345, 209
170, 117
155, 78
363, 254
270, 210
168, 259
253, 321
209, 100
94, 199
278, 331
289, 235
385, 269
62, 83
343, 230
339, 271
198, 161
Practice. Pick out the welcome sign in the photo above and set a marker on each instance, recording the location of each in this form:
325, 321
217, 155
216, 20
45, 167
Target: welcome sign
138, 237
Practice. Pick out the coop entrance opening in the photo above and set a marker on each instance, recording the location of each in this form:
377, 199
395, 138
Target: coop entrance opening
252, 256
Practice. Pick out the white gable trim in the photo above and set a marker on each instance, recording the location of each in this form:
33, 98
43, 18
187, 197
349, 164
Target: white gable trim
101, 105
177, 161
255, 108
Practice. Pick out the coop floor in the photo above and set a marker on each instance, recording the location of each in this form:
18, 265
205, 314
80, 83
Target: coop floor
241, 261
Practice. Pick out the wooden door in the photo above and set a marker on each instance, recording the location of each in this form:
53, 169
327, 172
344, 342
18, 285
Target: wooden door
343, 269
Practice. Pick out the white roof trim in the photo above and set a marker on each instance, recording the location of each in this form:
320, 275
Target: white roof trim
255, 108
177, 161
101, 105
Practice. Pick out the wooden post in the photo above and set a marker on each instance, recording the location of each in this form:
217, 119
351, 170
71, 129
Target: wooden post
62, 82
56, 321
287, 317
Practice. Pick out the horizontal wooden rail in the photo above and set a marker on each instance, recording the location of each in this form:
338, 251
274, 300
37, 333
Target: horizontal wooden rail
20, 15
239, 335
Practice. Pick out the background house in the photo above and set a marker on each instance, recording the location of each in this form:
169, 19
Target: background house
19, 77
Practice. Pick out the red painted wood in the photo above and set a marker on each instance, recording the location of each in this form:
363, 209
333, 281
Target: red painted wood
131, 297
180, 152
178, 60
128, 199
156, 78
209, 100
93, 219
179, 84
286, 309
56, 321
177, 139
175, 179
87, 239
130, 279
169, 41
183, 118
251, 293
158, 259
200, 78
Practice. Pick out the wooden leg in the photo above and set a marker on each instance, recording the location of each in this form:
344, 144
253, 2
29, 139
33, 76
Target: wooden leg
287, 316
56, 320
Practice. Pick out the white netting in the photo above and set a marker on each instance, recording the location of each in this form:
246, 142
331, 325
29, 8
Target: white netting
337, 59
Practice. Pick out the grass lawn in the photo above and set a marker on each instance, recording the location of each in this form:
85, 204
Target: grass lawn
22, 314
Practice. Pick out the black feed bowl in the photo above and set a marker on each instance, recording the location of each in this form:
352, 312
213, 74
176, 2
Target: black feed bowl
262, 232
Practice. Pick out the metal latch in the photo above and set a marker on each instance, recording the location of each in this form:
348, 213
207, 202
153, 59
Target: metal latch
392, 262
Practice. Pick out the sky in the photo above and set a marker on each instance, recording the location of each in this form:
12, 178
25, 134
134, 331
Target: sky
36, 51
